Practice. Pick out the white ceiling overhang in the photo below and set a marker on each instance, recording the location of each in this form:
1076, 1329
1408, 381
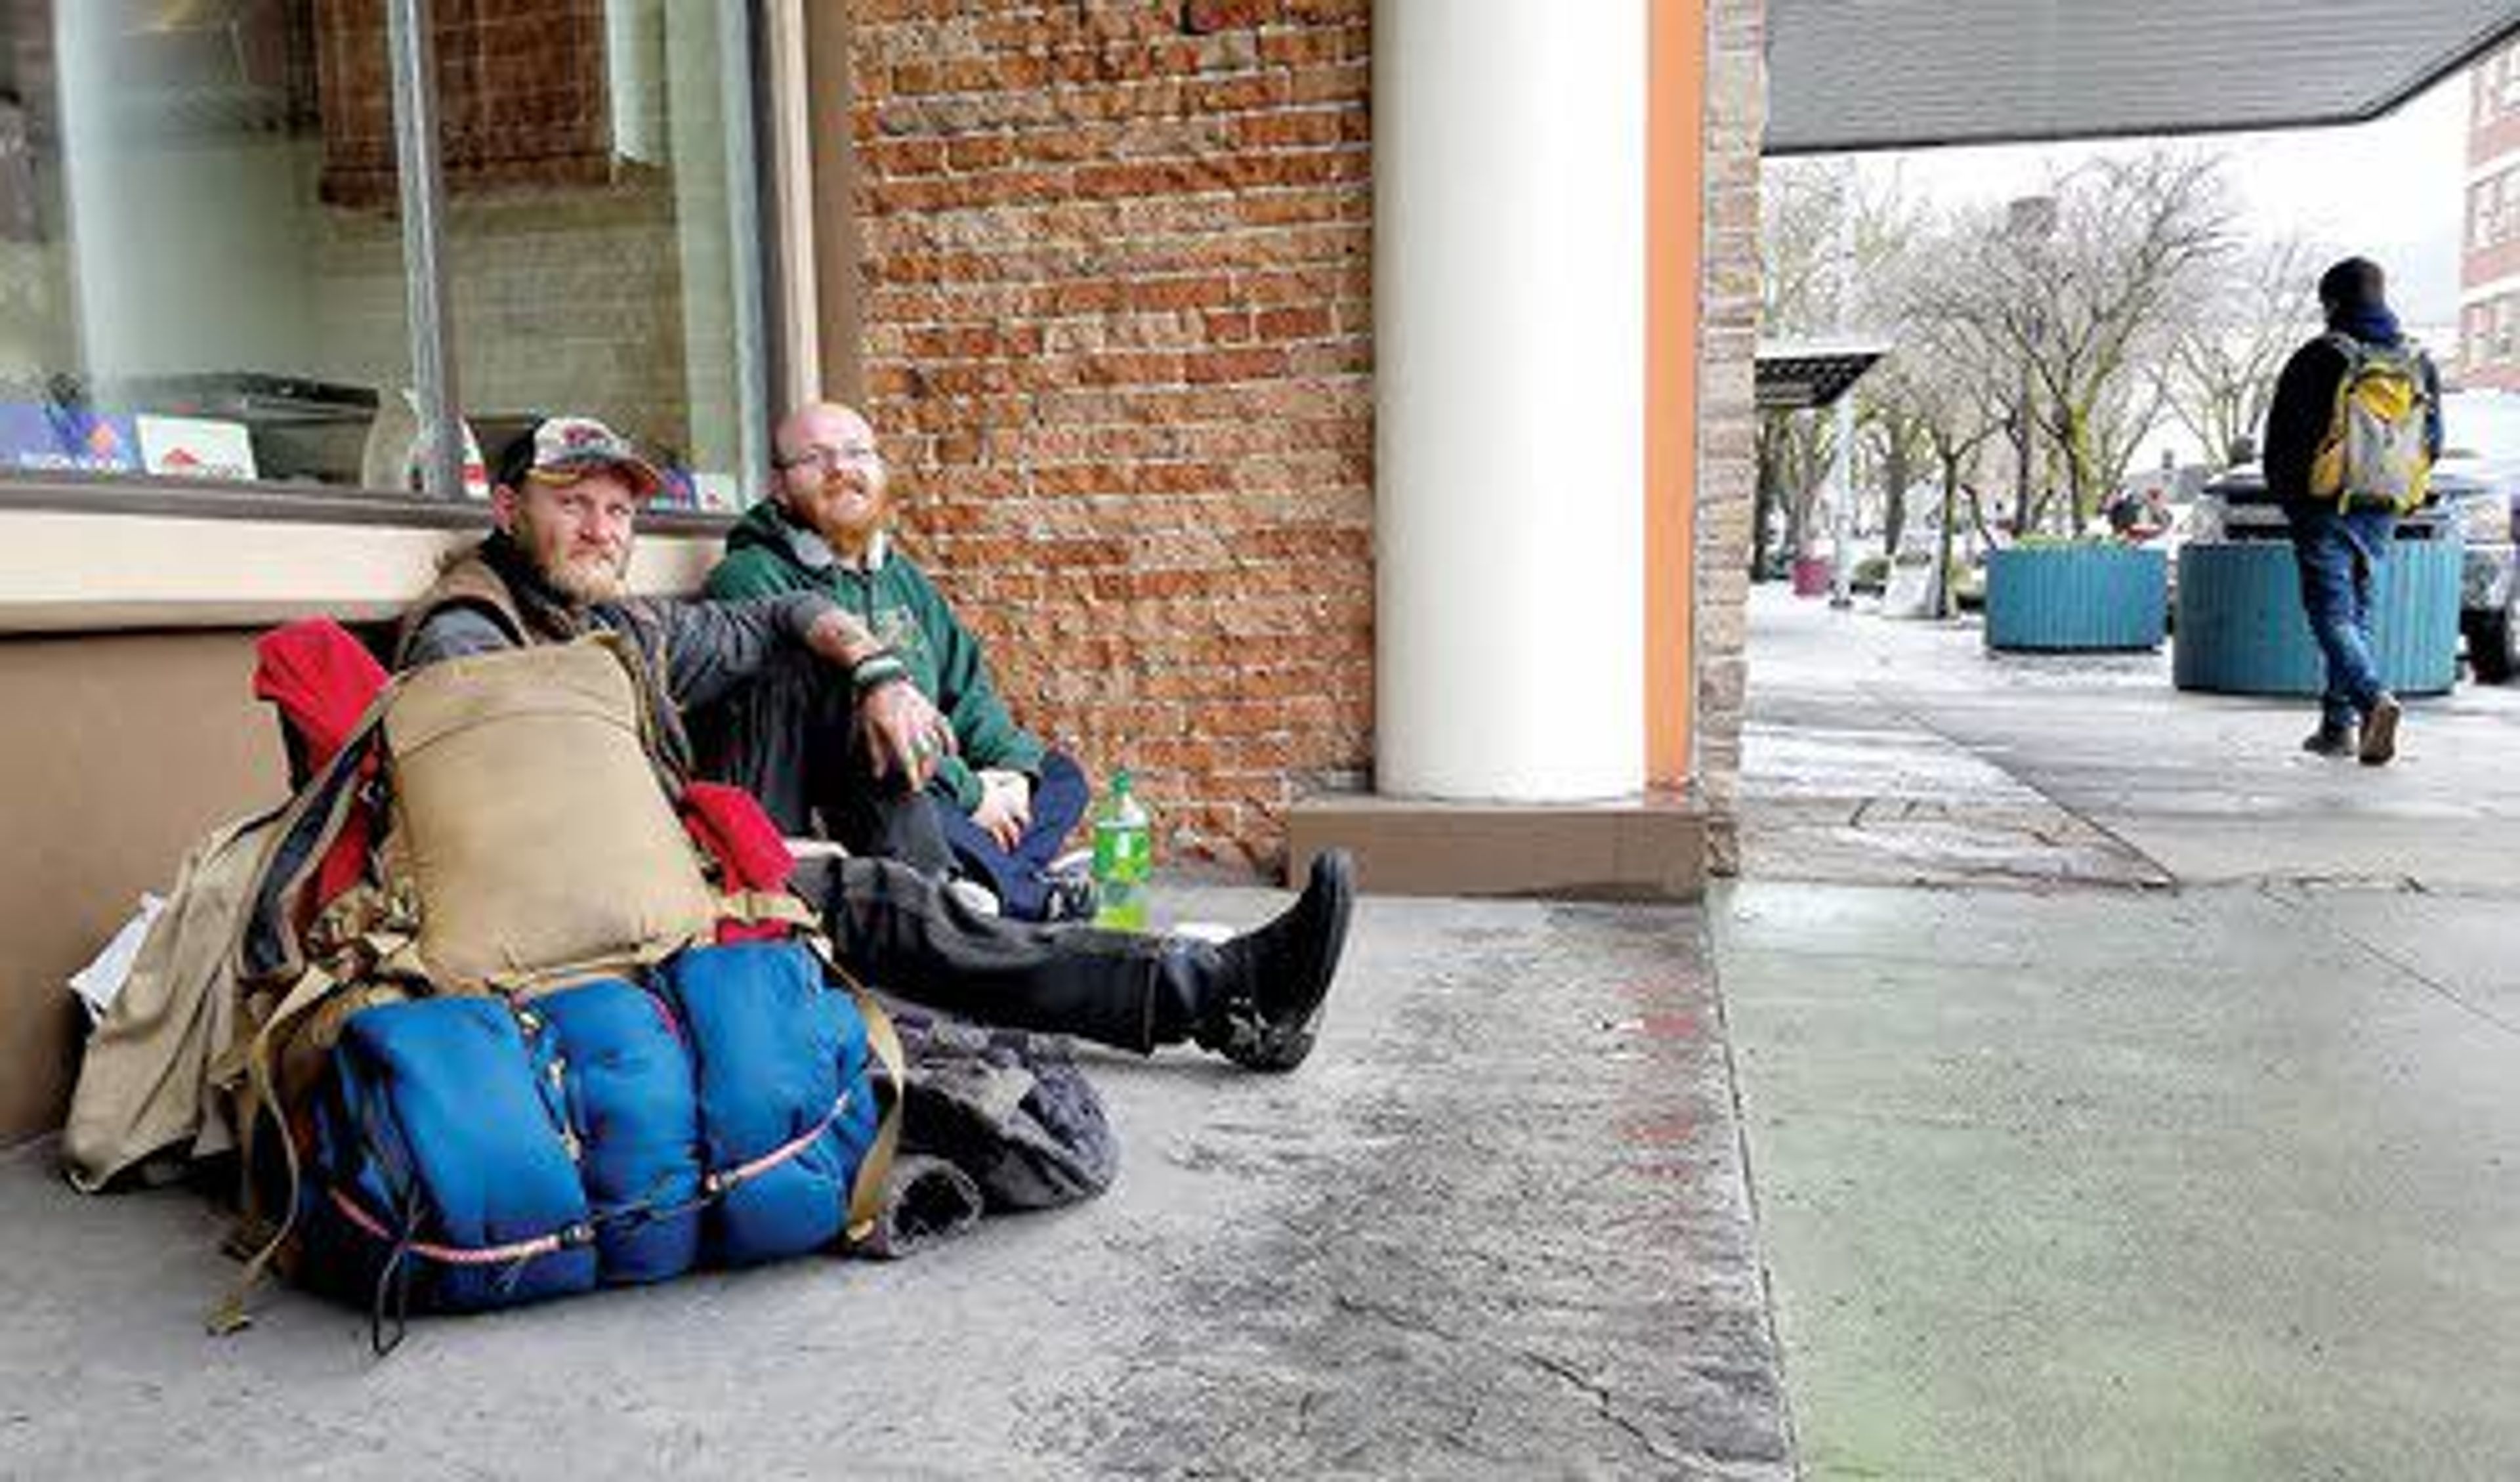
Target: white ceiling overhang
1872, 75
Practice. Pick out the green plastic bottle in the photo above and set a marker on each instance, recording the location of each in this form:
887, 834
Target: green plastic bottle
1124, 853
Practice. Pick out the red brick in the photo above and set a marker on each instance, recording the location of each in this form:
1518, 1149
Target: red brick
1201, 17
1117, 296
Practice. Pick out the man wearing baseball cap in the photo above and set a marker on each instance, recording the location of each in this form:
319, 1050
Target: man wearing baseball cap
565, 503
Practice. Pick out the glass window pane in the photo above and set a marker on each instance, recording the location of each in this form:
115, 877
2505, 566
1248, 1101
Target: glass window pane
179, 292
601, 226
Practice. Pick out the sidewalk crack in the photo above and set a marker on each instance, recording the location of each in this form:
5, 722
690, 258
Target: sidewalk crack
1915, 717
2437, 986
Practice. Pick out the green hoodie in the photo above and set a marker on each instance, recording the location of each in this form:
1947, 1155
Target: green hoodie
766, 554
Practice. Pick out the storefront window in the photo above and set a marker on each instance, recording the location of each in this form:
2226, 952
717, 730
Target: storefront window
180, 300
602, 228
203, 259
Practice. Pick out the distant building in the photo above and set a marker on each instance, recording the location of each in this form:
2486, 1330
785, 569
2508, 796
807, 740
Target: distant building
2489, 299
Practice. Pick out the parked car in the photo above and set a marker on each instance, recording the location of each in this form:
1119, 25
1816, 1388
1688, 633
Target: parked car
2480, 474
2475, 496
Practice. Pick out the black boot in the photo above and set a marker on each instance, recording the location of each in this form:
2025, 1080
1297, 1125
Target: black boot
1263, 1005
2330, 739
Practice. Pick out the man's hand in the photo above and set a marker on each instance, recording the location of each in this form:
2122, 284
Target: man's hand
1005, 809
900, 727
903, 730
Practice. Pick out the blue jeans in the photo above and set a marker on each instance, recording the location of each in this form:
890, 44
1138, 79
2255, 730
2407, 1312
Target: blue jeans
2337, 554
1058, 798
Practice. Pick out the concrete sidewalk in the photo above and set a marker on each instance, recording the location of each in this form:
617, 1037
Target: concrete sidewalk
1497, 1228
2128, 1095
2125, 1094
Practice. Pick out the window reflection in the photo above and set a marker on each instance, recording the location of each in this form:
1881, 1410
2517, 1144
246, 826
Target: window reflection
181, 301
202, 265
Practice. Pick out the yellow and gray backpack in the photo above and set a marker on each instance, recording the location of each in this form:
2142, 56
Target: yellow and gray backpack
2375, 453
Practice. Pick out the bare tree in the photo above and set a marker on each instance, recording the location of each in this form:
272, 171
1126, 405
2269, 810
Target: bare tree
1892, 234
1829, 240
1794, 451
1951, 375
2223, 363
1804, 206
1896, 442
2089, 308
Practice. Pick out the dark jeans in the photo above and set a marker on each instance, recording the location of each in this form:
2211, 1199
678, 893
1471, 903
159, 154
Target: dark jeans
790, 738
1019, 876
900, 931
2337, 554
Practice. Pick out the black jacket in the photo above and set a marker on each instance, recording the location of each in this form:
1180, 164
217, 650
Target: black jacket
697, 654
2305, 405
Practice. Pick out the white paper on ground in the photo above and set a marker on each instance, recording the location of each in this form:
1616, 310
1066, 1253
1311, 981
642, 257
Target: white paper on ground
99, 982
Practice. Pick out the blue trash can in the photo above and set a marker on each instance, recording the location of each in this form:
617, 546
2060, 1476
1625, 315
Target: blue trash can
2076, 597
2242, 629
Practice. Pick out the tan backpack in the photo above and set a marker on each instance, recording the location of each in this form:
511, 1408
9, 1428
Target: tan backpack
529, 824
533, 845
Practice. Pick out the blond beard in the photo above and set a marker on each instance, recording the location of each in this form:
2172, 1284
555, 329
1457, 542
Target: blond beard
583, 579
591, 578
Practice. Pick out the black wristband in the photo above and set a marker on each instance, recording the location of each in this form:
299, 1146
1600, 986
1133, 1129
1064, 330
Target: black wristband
876, 670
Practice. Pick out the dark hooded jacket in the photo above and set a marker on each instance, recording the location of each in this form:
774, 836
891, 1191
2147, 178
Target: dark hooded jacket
2305, 400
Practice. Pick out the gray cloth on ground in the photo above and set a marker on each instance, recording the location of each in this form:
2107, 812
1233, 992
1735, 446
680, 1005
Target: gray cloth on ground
1010, 1109
926, 1200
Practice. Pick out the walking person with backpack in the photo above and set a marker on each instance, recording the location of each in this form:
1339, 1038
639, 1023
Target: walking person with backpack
2351, 439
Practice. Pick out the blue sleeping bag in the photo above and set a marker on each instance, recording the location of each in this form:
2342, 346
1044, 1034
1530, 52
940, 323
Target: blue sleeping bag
627, 1084
471, 1153
441, 1179
786, 1107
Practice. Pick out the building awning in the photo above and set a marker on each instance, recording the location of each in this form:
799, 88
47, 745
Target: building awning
1876, 74
1799, 375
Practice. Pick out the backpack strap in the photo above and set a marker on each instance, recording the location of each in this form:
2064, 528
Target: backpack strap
267, 949
866, 1191
232, 1314
2331, 443
765, 908
270, 948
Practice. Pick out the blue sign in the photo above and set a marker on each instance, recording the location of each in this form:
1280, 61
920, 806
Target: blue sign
51, 438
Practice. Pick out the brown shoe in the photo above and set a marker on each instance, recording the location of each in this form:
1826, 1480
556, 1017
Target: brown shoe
2380, 731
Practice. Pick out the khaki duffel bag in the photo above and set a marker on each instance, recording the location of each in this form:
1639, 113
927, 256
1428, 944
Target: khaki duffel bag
540, 838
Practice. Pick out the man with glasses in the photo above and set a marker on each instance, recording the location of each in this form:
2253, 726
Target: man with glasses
1000, 802
565, 505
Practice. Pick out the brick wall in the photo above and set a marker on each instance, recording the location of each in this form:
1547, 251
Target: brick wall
1727, 421
1118, 341
2491, 264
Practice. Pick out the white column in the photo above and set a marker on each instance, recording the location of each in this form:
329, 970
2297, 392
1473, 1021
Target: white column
1509, 362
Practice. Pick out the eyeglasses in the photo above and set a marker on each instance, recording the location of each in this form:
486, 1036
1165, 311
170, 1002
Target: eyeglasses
856, 455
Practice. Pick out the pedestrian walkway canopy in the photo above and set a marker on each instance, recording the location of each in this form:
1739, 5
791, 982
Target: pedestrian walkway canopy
1800, 375
1877, 75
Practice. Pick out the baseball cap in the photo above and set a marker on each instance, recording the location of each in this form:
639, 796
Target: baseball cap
566, 449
